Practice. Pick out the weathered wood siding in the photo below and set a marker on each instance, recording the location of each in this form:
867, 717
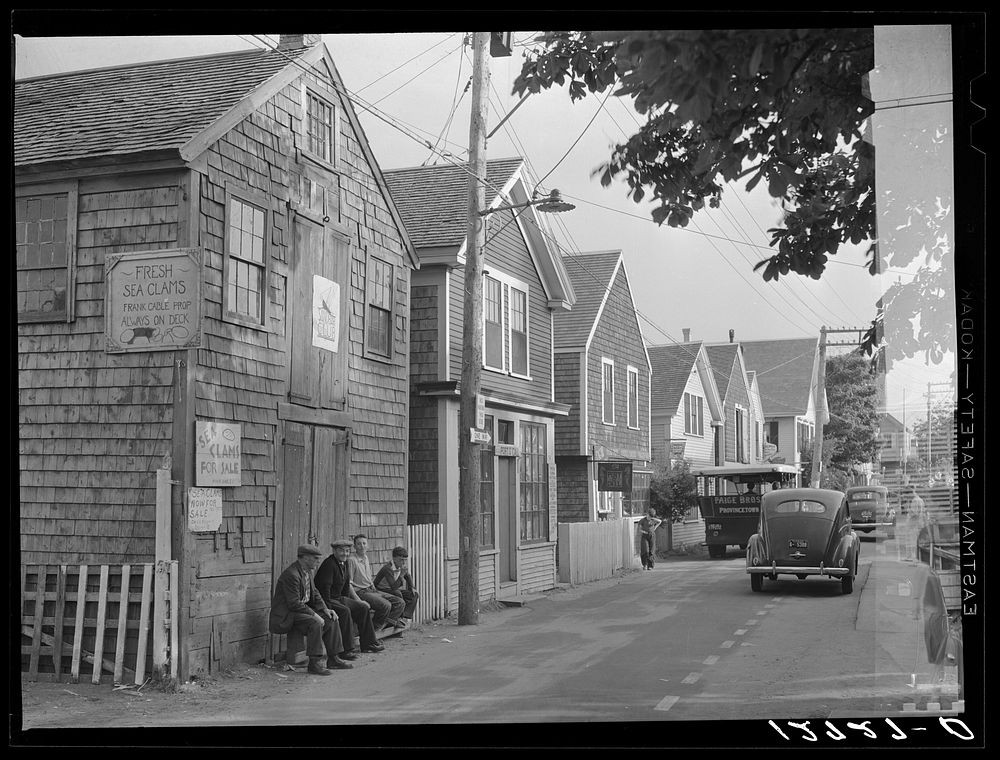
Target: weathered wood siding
573, 489
567, 391
617, 337
424, 455
487, 579
736, 394
93, 427
506, 253
537, 567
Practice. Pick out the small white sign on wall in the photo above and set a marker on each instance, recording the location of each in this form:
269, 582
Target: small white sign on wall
326, 314
204, 509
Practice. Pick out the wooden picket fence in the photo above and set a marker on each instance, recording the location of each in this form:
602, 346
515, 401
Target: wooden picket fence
116, 618
427, 566
590, 551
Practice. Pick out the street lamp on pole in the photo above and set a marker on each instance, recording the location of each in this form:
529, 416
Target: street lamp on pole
470, 437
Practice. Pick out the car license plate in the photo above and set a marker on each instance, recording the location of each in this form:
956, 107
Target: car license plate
715, 526
866, 515
798, 543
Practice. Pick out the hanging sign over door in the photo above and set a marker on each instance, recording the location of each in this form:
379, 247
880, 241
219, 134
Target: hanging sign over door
326, 314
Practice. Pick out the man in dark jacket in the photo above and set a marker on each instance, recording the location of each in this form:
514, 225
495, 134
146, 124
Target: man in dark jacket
298, 606
394, 578
333, 579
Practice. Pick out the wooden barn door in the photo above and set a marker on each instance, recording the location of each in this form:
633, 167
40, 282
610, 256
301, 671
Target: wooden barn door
314, 501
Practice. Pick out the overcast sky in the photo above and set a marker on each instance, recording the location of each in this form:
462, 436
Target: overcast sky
699, 278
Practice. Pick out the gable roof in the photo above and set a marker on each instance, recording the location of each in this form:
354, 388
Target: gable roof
722, 356
180, 105
159, 105
671, 366
784, 373
592, 275
433, 200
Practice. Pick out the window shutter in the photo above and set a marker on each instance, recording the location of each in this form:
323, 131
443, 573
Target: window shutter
687, 413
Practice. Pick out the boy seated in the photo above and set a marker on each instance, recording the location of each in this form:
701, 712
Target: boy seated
394, 578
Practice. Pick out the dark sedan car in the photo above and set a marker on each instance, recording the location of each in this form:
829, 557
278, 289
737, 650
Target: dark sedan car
870, 509
803, 532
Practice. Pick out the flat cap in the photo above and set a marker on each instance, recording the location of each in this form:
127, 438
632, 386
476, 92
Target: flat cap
400, 551
309, 549
341, 542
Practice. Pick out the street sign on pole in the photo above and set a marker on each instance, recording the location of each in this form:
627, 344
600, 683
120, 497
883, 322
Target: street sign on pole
479, 436
480, 410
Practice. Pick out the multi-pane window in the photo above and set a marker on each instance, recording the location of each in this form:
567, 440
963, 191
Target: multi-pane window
741, 430
320, 128
486, 492
246, 260
805, 436
633, 397
493, 318
534, 479
518, 332
694, 414
608, 391
772, 432
43, 250
378, 331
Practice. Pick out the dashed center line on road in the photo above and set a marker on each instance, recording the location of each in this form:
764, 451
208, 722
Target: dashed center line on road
762, 612
666, 703
739, 631
691, 678
726, 644
710, 660
752, 621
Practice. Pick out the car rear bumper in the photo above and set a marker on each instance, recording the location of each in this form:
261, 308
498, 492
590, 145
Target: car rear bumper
871, 525
834, 572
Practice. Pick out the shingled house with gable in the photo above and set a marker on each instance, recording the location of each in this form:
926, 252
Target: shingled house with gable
787, 372
602, 373
686, 412
235, 194
524, 284
742, 429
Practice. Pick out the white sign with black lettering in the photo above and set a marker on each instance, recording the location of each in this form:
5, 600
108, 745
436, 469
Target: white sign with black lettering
204, 509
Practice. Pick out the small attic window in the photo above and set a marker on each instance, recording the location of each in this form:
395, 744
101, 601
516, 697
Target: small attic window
320, 128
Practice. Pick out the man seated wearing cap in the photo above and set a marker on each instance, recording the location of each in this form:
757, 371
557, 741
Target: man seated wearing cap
333, 579
386, 607
394, 578
298, 606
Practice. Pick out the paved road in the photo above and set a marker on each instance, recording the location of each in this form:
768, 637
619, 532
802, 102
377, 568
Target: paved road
686, 641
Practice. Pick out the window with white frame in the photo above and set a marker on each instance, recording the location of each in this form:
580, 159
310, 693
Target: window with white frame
518, 332
44, 227
741, 435
378, 330
320, 128
633, 397
534, 482
506, 325
608, 391
493, 353
694, 414
246, 261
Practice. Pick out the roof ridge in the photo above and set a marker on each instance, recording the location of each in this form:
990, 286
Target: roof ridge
147, 64
448, 166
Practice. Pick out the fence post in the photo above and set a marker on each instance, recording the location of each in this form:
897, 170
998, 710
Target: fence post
161, 587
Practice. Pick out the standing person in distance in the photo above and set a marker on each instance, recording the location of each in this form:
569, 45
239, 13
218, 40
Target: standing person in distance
647, 538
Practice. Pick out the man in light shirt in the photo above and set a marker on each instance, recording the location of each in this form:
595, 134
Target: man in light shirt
386, 607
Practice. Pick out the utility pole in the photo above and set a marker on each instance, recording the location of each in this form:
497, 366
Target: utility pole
472, 353
814, 479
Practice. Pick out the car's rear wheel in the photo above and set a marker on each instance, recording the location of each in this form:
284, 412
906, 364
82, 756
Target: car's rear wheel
847, 584
756, 582
715, 551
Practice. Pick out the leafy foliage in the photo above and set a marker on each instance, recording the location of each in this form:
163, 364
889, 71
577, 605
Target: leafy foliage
787, 102
673, 491
851, 435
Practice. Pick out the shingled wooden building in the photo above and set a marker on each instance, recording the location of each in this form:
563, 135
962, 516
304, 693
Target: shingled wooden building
211, 270
524, 285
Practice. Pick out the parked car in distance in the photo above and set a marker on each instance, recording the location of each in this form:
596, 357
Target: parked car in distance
871, 509
803, 532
